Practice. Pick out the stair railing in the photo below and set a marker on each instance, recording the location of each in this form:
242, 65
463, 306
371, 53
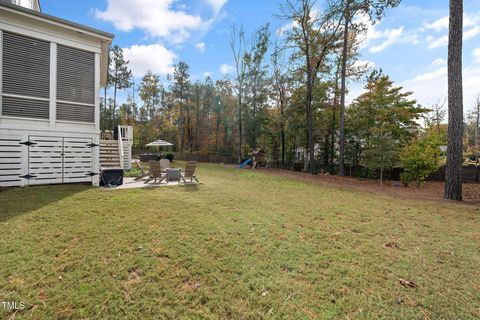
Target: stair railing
127, 140
120, 147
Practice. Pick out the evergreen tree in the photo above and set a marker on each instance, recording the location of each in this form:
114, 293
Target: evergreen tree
121, 76
180, 88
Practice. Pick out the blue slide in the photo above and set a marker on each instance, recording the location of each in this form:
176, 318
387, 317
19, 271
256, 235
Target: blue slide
249, 161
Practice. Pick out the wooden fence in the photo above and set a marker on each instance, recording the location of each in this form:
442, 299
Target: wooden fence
468, 172
203, 158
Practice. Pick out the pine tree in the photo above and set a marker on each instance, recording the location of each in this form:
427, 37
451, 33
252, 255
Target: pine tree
453, 169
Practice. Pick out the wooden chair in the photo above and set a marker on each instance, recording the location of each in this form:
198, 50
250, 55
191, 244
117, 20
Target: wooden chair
155, 171
189, 172
143, 172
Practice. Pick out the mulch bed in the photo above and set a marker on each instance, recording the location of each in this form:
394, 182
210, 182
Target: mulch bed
430, 190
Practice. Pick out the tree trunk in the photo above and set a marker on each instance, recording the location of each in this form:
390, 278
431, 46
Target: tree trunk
104, 107
282, 137
282, 130
477, 172
341, 169
114, 102
181, 121
189, 132
254, 141
239, 150
453, 170
217, 134
197, 125
332, 142
311, 143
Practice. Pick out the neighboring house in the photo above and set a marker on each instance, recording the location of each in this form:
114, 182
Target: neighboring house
301, 153
51, 71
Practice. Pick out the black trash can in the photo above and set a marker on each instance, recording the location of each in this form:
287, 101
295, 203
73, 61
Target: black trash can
111, 178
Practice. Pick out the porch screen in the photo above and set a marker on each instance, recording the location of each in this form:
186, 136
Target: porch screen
75, 85
25, 76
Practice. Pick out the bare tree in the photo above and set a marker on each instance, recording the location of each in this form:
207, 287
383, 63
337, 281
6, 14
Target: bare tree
281, 82
238, 46
438, 113
453, 170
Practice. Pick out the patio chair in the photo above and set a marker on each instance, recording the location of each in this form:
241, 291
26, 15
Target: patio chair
143, 172
155, 171
189, 172
165, 164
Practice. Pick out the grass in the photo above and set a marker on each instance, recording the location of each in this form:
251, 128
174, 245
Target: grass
243, 245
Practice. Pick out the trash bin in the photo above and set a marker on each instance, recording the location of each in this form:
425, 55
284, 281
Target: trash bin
111, 178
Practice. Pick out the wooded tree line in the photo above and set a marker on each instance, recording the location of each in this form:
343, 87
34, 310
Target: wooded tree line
287, 95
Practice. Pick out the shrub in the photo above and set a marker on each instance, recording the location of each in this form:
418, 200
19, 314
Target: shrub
169, 156
420, 158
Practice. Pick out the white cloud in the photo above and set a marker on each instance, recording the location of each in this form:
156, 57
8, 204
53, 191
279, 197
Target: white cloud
433, 85
437, 42
471, 33
217, 5
156, 17
438, 25
428, 87
364, 63
207, 74
470, 20
392, 36
152, 57
200, 47
286, 27
226, 69
430, 76
438, 62
378, 40
476, 55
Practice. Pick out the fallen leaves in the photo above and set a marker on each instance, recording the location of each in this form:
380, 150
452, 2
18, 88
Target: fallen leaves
192, 285
407, 283
392, 245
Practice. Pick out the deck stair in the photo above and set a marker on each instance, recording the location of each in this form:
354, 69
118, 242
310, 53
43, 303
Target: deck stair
110, 155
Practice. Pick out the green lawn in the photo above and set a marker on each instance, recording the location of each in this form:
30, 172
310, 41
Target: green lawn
243, 245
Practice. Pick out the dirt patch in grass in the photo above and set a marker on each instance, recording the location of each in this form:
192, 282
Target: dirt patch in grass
429, 190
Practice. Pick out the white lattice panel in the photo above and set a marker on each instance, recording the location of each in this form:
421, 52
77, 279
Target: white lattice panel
11, 164
60, 160
77, 163
45, 160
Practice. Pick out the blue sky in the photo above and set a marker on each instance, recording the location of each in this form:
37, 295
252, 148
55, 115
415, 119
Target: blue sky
409, 44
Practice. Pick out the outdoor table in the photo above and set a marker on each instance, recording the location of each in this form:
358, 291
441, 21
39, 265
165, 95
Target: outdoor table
173, 174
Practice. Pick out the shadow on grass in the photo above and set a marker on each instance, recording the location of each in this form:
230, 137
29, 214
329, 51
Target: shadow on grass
17, 201
191, 187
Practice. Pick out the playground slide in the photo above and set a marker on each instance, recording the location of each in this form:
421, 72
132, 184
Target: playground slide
245, 163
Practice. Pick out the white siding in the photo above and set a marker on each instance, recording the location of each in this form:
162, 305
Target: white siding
77, 163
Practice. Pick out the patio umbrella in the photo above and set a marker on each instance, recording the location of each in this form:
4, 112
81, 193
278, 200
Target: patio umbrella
159, 143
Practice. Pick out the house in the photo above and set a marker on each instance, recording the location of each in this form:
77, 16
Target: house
301, 153
51, 71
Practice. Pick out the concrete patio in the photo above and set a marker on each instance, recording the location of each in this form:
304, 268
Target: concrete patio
131, 183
